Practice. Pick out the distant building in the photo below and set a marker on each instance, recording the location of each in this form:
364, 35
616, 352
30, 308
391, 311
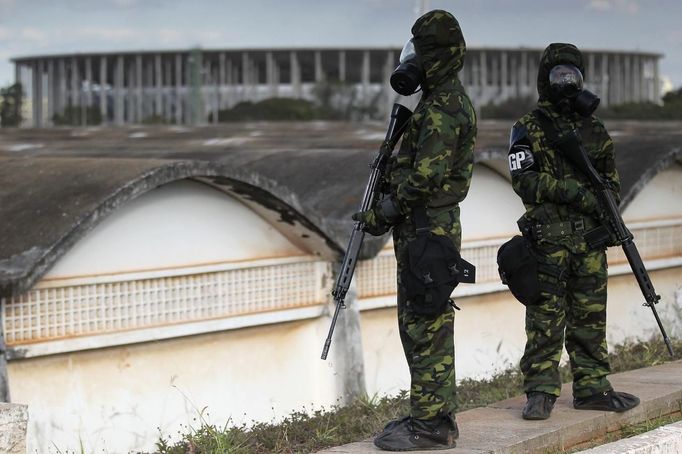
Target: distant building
147, 274
185, 87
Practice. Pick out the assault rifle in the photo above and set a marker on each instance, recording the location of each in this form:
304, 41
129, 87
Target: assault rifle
615, 229
399, 119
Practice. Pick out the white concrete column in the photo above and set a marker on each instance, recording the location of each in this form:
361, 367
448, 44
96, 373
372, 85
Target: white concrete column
246, 76
637, 78
590, 70
342, 66
179, 98
88, 91
51, 91
483, 62
221, 80
119, 105
365, 74
523, 75
504, 70
657, 83
37, 93
319, 72
605, 94
388, 90
295, 74
61, 91
514, 73
158, 83
167, 84
627, 78
271, 76
75, 83
103, 99
231, 83
138, 89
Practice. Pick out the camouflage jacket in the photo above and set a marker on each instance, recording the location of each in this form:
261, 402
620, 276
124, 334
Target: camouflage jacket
434, 164
551, 188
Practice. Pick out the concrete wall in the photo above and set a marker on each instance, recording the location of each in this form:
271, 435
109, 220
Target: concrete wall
113, 399
660, 198
177, 225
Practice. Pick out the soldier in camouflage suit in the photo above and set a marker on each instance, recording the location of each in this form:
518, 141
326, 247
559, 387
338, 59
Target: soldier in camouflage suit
560, 208
433, 170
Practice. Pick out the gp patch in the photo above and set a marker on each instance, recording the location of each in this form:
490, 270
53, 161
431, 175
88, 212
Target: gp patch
520, 158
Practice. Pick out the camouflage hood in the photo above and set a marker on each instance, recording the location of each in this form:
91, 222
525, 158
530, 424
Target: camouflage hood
440, 46
555, 54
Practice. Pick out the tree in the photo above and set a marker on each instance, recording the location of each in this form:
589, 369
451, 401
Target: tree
10, 105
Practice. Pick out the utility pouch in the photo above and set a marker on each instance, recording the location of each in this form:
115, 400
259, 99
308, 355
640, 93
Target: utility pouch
434, 268
598, 238
518, 268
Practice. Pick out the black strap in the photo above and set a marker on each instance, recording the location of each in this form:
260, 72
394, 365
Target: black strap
547, 126
421, 221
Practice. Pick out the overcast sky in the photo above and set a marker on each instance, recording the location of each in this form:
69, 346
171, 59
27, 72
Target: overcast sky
30, 27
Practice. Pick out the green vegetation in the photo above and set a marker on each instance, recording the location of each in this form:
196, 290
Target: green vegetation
332, 100
510, 109
304, 431
515, 108
271, 109
10, 105
77, 116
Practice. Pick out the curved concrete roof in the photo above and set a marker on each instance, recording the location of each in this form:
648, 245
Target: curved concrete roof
305, 178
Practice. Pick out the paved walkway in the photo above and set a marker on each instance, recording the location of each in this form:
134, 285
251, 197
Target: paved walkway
499, 427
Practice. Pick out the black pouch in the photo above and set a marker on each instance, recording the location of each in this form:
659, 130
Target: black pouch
431, 273
434, 268
518, 268
599, 238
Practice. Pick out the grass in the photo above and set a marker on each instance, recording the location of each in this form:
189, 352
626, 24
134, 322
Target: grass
304, 431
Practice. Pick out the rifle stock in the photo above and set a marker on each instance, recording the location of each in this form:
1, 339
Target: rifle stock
572, 147
399, 119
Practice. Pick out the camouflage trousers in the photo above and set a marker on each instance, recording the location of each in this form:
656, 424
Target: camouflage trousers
575, 310
428, 341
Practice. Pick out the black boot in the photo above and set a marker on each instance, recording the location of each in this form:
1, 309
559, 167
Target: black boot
538, 406
607, 401
410, 434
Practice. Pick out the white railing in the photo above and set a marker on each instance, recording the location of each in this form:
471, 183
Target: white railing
64, 309
656, 239
58, 309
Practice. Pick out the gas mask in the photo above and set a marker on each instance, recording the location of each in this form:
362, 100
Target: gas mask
409, 74
567, 92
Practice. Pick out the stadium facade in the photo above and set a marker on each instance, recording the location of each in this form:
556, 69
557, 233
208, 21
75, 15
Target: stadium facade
191, 86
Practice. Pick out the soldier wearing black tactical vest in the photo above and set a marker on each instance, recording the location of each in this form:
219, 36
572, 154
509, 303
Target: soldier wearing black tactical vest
560, 208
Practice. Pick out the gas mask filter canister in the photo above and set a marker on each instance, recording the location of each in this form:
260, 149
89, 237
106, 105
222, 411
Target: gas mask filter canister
408, 76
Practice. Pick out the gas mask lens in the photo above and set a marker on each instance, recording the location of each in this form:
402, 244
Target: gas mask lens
408, 76
566, 85
408, 52
566, 81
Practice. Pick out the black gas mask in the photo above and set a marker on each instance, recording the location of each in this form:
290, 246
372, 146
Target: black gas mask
409, 74
567, 92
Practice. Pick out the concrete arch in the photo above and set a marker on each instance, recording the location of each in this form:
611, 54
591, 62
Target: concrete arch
53, 217
668, 159
658, 197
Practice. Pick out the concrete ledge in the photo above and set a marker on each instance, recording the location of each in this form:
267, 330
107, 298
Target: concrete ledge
664, 440
499, 427
13, 420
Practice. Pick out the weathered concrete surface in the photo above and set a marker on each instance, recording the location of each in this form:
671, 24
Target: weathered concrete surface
13, 420
309, 177
664, 440
500, 429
